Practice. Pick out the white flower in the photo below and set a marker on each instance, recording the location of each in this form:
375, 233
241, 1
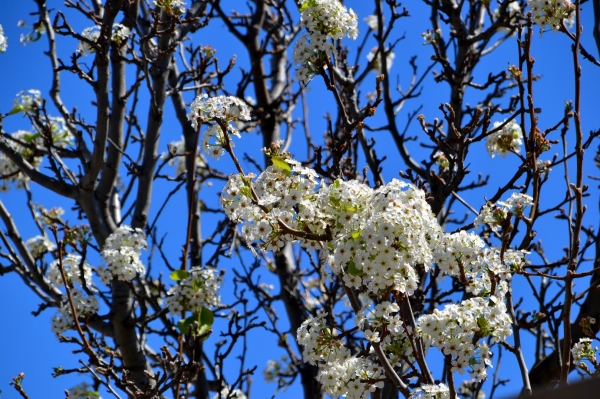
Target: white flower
228, 393
323, 20
3, 41
122, 251
372, 21
199, 290
508, 139
171, 7
431, 36
440, 391
583, 350
495, 214
26, 100
119, 35
91, 33
552, 13
84, 305
76, 271
39, 245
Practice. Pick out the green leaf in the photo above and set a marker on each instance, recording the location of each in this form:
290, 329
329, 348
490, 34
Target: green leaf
356, 234
349, 208
281, 165
246, 192
178, 275
206, 318
353, 270
16, 109
184, 324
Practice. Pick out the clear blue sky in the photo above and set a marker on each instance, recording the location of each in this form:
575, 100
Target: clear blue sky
27, 344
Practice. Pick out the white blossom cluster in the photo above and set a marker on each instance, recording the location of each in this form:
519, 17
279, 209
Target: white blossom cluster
426, 391
226, 109
377, 234
457, 329
228, 393
74, 269
3, 41
199, 290
323, 20
29, 144
508, 139
340, 373
26, 100
494, 214
372, 21
513, 9
171, 7
584, 350
552, 13
374, 239
462, 255
120, 33
33, 35
121, 252
22, 143
39, 245
430, 36
84, 305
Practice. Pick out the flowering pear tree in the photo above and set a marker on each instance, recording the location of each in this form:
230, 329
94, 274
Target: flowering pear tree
349, 263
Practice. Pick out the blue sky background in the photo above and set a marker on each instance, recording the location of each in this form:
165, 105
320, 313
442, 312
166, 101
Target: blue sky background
27, 344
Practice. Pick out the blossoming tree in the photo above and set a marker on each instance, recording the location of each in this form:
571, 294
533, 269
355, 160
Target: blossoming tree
385, 291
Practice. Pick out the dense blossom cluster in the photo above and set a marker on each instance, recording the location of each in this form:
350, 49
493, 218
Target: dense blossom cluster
552, 13
225, 109
507, 139
84, 305
481, 270
171, 7
31, 146
229, 393
378, 235
457, 329
426, 391
374, 240
3, 41
323, 20
120, 33
340, 373
495, 214
584, 350
199, 290
76, 271
513, 9
26, 100
39, 245
121, 252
